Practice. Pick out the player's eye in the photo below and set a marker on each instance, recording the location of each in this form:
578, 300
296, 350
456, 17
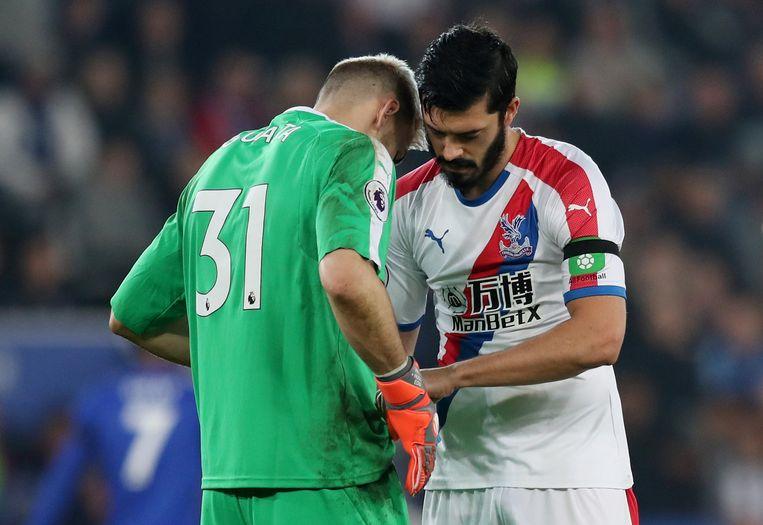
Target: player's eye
436, 133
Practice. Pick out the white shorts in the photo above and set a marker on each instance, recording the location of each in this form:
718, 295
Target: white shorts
516, 506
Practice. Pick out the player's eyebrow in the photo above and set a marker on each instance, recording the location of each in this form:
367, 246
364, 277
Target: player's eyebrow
469, 133
459, 134
434, 129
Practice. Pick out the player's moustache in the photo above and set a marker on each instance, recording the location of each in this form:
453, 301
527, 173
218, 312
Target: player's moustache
456, 163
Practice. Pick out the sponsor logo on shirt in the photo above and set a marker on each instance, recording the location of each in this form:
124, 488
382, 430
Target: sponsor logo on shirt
454, 298
587, 264
580, 207
592, 279
376, 196
496, 302
429, 234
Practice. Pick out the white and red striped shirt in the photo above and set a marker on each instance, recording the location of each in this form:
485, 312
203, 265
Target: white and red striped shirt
496, 268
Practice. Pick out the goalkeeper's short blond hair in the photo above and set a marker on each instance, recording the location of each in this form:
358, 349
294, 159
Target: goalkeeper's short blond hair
389, 74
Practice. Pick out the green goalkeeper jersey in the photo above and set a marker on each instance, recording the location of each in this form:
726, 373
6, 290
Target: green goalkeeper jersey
283, 399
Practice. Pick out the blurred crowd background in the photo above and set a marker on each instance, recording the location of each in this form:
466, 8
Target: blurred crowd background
108, 107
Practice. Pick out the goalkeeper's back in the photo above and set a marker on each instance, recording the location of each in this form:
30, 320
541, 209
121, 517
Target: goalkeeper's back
283, 399
263, 329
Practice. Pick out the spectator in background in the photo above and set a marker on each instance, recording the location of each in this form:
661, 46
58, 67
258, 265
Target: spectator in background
117, 196
544, 81
83, 26
359, 31
142, 432
366, 26
729, 366
733, 447
16, 226
161, 34
708, 133
48, 147
657, 365
730, 356
740, 475
44, 271
106, 81
300, 78
166, 135
607, 44
41, 159
694, 199
754, 77
715, 30
612, 70
238, 99
165, 106
666, 95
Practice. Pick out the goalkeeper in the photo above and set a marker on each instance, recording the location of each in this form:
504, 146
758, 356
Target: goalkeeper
268, 276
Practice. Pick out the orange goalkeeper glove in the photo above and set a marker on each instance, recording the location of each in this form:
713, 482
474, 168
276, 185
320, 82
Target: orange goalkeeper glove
412, 418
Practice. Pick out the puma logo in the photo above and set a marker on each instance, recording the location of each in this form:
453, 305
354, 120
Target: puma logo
576, 207
429, 234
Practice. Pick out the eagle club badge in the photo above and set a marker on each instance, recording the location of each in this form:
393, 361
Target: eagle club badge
519, 243
376, 196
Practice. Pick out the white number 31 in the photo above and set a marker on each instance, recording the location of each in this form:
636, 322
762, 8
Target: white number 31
220, 203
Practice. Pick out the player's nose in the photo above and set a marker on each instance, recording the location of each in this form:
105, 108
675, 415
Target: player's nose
451, 151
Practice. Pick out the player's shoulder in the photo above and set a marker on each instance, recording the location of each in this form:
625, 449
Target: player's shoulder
334, 141
339, 145
341, 140
302, 127
416, 181
324, 130
553, 161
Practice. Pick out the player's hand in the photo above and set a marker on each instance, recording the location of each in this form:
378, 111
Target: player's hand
412, 418
439, 382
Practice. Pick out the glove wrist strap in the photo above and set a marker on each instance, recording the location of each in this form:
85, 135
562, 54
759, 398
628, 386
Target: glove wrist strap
398, 372
404, 388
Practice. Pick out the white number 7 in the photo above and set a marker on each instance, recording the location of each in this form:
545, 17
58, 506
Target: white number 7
152, 425
220, 203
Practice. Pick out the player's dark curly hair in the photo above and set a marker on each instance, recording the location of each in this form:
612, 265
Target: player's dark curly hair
462, 65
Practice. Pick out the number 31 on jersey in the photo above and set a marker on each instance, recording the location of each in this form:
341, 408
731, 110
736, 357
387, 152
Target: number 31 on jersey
220, 203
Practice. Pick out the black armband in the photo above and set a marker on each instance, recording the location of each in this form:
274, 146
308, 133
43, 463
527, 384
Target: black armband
575, 248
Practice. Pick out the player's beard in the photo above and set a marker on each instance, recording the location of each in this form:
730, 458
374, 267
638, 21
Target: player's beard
473, 174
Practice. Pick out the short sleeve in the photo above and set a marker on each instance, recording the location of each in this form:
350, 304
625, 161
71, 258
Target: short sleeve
407, 285
153, 293
354, 205
585, 223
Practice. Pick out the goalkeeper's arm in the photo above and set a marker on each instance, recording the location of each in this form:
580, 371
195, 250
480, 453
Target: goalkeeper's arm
363, 310
364, 313
170, 343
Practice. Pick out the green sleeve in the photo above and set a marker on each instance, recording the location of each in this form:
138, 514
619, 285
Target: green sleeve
152, 294
354, 207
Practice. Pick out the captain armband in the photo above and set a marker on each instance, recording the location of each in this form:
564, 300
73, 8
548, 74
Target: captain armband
587, 256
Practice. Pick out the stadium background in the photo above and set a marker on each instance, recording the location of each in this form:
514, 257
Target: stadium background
107, 108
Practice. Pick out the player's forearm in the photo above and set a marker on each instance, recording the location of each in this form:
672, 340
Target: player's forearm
171, 344
171, 347
567, 350
409, 339
555, 355
362, 309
